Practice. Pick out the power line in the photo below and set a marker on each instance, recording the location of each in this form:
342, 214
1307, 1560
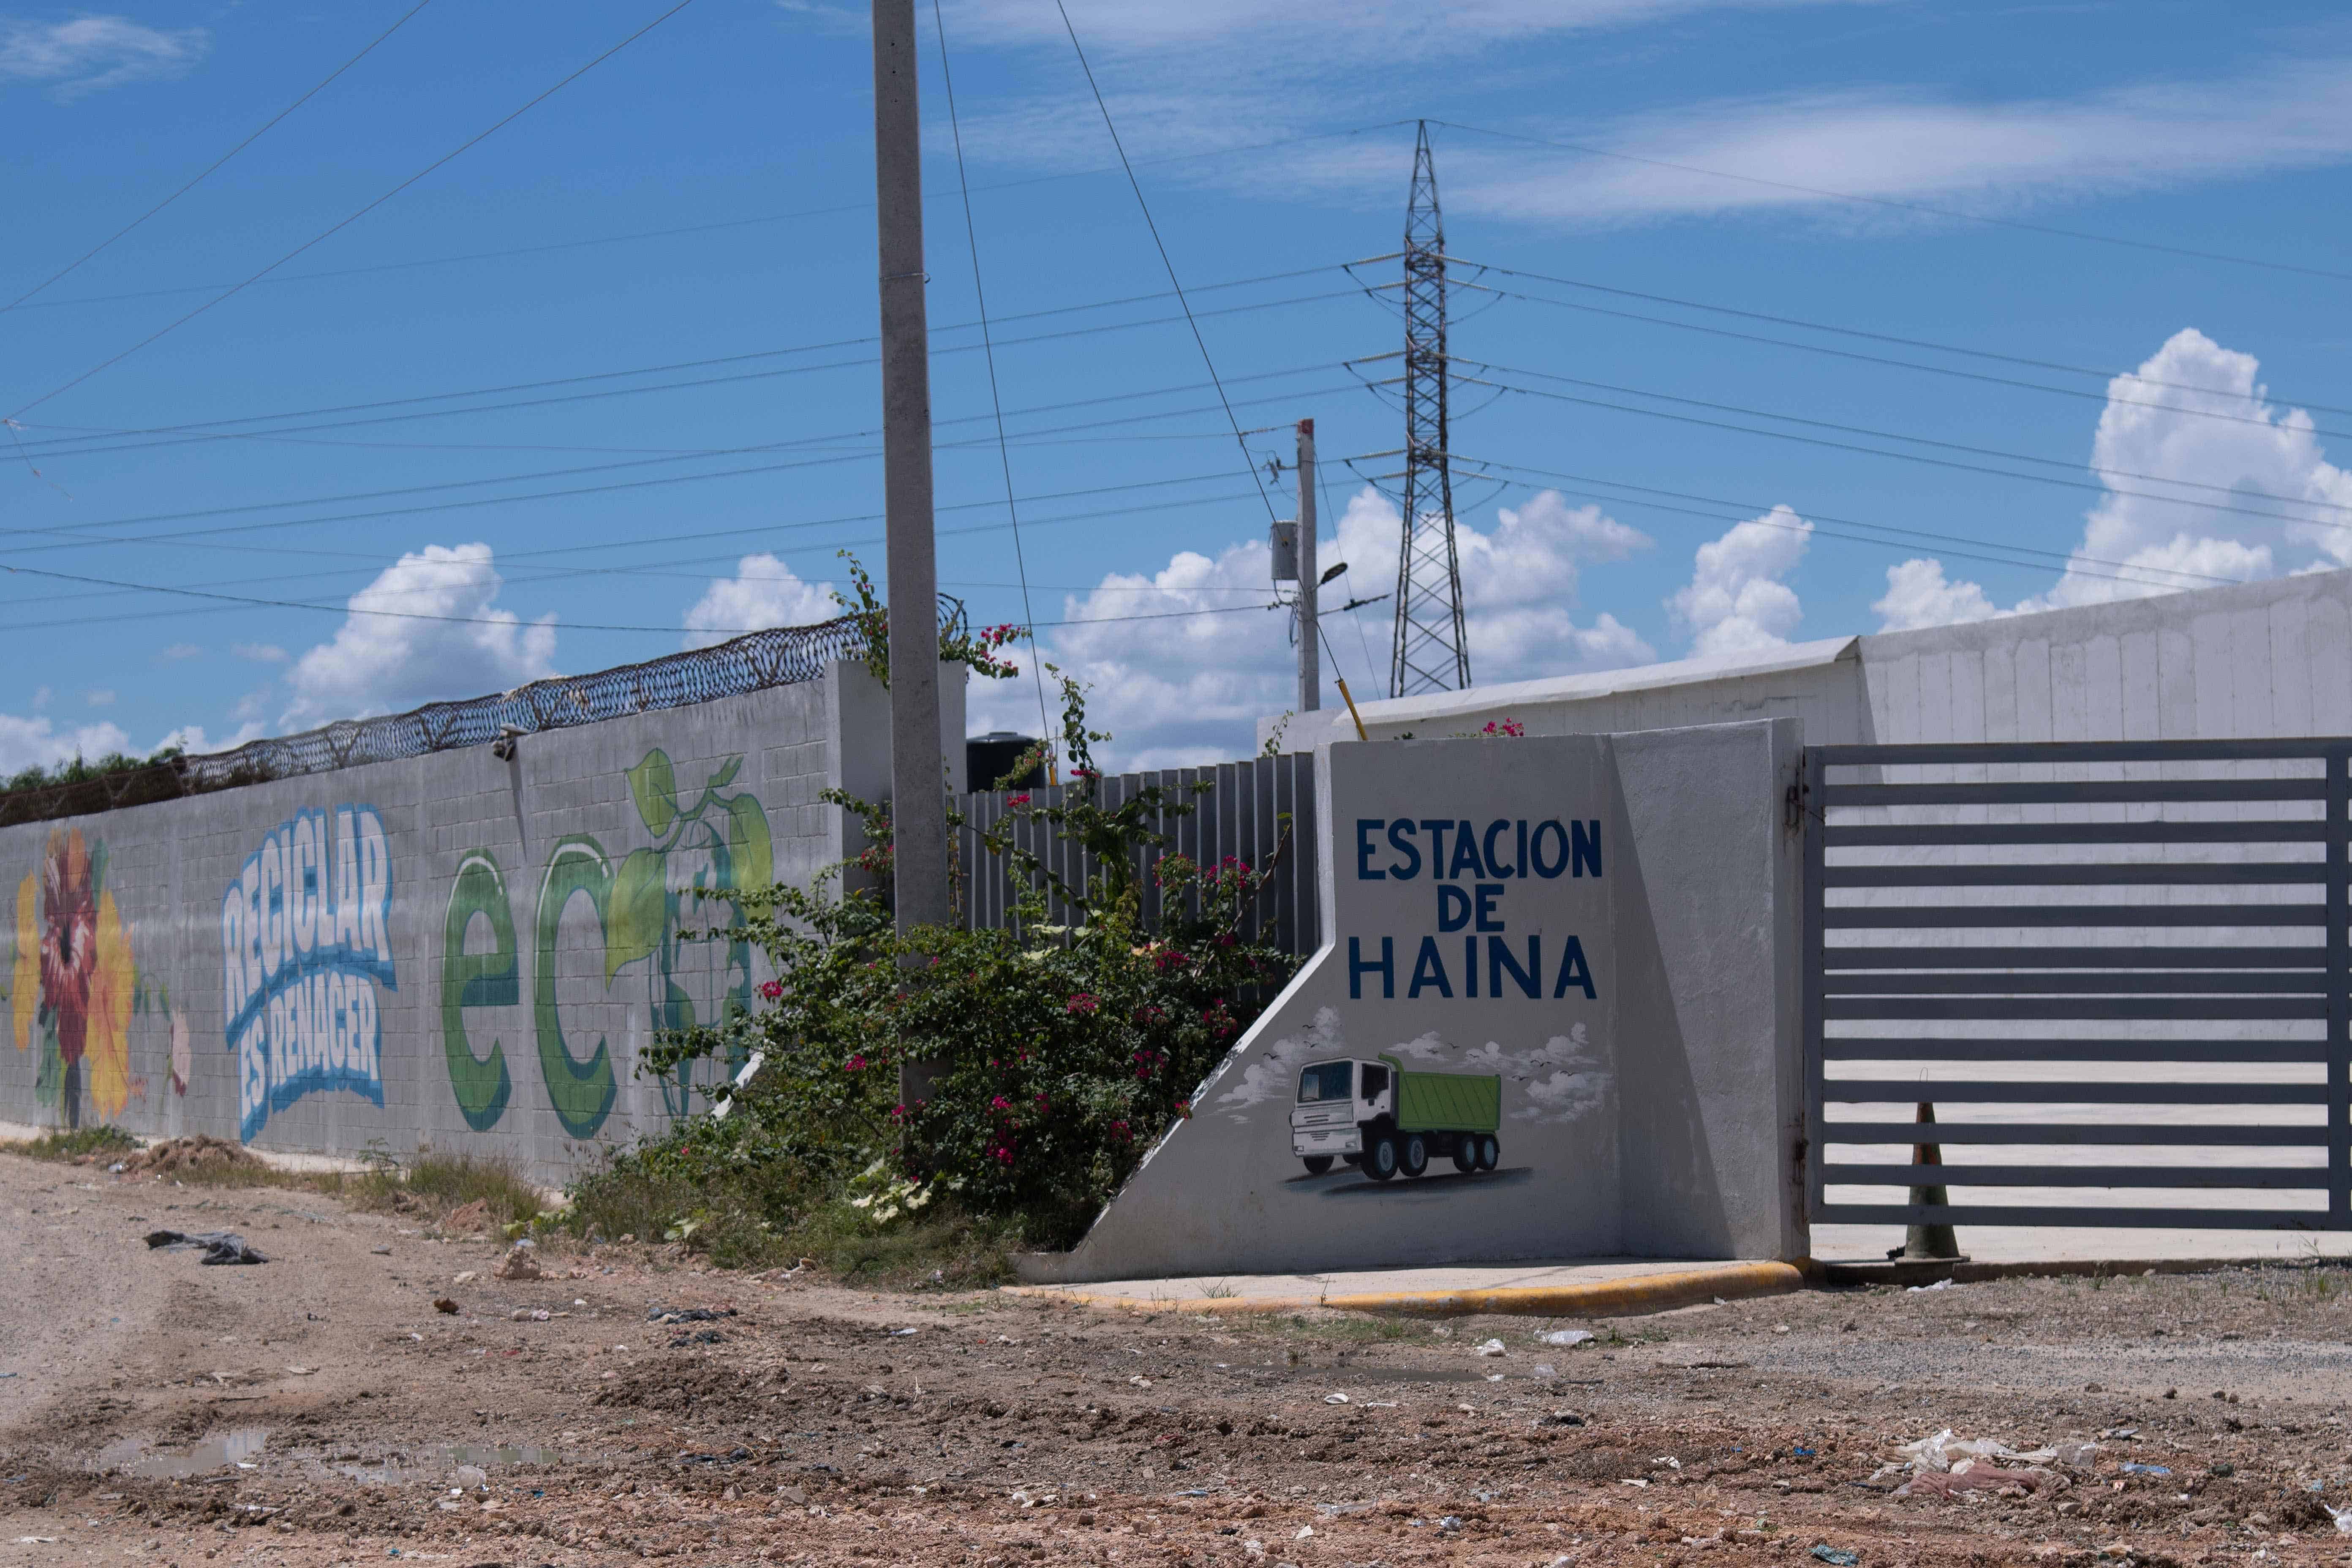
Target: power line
635, 236
995, 398
571, 492
210, 168
1896, 338
1975, 549
1894, 205
208, 430
1137, 186
670, 540
1911, 456
2258, 422
241, 600
346, 221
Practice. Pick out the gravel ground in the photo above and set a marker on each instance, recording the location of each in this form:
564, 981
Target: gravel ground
320, 1410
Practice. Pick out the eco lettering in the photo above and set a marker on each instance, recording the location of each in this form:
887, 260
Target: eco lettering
304, 945
1473, 868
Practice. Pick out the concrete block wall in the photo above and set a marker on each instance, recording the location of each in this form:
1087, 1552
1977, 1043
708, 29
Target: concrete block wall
2272, 658
451, 950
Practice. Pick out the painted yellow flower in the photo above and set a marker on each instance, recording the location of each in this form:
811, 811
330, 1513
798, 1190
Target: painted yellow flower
25, 987
106, 1044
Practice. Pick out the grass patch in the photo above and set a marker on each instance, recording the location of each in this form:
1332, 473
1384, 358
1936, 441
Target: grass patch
107, 1140
761, 1216
436, 1187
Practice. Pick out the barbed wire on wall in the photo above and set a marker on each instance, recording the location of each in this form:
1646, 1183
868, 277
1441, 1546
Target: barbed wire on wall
781, 656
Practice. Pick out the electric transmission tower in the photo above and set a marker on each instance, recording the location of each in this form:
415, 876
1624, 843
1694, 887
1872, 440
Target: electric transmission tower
1431, 654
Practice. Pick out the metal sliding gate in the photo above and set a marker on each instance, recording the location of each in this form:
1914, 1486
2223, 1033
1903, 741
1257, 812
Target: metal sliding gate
2115, 970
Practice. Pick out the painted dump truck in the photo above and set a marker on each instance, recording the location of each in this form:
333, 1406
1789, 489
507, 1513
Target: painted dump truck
1386, 1117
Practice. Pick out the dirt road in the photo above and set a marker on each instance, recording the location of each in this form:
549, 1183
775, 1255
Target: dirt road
320, 1409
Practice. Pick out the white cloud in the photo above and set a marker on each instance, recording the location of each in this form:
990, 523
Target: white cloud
1917, 596
2152, 532
180, 651
1351, 28
380, 662
1735, 601
1179, 689
1903, 145
259, 652
40, 698
89, 54
37, 742
101, 698
2155, 431
763, 593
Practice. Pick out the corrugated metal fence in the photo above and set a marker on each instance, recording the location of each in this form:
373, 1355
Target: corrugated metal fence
2118, 971
1251, 810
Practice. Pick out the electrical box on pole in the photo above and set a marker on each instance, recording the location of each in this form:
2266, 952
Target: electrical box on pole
1284, 538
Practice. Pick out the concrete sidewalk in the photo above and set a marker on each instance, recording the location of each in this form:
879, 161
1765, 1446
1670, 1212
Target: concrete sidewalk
1553, 1289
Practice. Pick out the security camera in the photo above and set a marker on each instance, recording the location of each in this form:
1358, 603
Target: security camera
503, 748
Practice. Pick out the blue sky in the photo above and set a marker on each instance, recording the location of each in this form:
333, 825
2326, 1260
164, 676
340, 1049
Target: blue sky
600, 386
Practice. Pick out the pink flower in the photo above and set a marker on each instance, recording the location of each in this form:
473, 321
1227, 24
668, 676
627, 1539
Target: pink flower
1004, 1153
772, 989
999, 1103
1017, 800
856, 1064
1083, 1003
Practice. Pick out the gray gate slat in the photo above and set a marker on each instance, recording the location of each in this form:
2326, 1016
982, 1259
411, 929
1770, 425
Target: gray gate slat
2256, 830
2007, 1048
1900, 917
1840, 959
2077, 1134
1874, 1091
2270, 873
1991, 1008
2276, 1178
2119, 1216
2094, 792
2075, 983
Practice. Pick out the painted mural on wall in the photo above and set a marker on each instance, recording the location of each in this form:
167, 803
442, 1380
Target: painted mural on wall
305, 945
1445, 1076
74, 985
636, 914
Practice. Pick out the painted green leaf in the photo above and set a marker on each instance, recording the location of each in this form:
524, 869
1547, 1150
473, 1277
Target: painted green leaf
750, 843
653, 784
633, 928
725, 773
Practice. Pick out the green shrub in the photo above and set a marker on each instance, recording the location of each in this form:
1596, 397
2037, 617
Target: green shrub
1055, 1054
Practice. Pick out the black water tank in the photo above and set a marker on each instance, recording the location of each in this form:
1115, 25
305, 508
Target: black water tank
987, 758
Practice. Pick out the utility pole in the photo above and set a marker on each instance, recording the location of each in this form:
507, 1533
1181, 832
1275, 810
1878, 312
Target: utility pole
1310, 664
1430, 652
918, 783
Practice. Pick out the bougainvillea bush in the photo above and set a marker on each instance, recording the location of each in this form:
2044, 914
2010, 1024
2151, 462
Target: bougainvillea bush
1051, 1056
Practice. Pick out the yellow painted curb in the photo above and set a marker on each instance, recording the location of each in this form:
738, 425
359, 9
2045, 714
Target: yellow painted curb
1585, 1298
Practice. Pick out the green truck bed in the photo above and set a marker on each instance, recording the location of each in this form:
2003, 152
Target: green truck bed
1446, 1101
